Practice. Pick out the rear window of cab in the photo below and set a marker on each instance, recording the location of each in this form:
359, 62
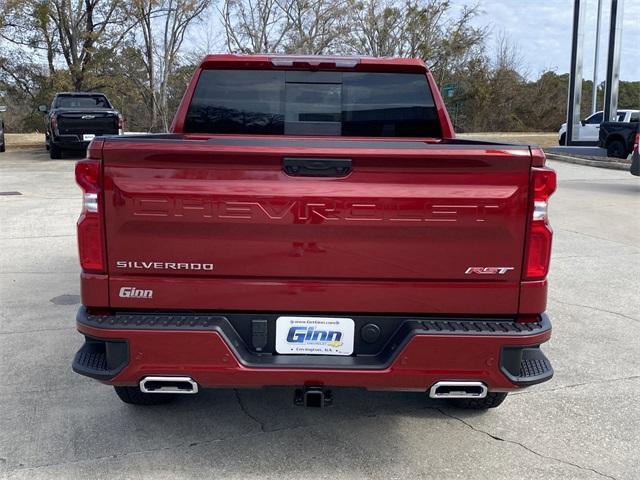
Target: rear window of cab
81, 101
265, 102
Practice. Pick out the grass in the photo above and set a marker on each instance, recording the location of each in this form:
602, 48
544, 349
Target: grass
15, 141
542, 139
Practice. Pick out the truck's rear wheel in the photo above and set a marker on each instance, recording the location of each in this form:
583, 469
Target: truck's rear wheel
616, 149
492, 400
563, 139
55, 152
133, 396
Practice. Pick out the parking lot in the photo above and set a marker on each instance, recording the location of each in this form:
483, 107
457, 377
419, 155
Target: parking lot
585, 423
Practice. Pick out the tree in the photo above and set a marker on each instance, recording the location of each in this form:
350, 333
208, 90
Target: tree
314, 27
73, 30
254, 26
26, 24
177, 16
445, 41
122, 77
135, 51
376, 28
145, 12
163, 25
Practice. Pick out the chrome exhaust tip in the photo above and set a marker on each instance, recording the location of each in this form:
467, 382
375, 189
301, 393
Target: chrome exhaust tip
179, 385
458, 390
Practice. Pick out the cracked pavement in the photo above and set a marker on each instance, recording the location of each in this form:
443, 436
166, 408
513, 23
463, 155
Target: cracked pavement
584, 424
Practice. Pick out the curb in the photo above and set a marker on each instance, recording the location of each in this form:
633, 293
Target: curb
609, 164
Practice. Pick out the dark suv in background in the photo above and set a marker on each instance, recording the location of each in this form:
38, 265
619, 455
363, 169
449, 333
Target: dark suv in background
2, 144
74, 119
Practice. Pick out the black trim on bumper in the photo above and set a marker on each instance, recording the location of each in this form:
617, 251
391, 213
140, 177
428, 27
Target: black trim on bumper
69, 142
203, 321
235, 329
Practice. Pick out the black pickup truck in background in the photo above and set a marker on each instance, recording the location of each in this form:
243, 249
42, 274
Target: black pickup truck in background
2, 144
619, 137
74, 119
635, 156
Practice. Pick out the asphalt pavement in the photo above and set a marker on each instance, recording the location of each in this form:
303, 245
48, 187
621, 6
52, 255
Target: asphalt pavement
584, 424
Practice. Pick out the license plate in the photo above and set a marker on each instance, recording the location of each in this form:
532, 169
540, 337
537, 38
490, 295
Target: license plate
88, 137
314, 335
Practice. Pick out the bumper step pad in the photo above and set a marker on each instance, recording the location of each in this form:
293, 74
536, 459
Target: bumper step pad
534, 367
92, 359
101, 359
526, 366
475, 327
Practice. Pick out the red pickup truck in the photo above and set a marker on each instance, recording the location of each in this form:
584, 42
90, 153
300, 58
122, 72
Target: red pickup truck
313, 222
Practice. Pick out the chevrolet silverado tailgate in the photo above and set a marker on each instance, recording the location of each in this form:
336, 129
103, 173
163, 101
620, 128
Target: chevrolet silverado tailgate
246, 223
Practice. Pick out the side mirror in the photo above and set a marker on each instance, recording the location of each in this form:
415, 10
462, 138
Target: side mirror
3, 108
583, 122
43, 108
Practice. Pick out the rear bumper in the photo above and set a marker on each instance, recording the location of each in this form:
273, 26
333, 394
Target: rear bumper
69, 142
74, 141
123, 348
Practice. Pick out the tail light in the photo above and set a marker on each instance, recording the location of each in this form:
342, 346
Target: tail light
120, 123
636, 145
90, 233
538, 250
54, 122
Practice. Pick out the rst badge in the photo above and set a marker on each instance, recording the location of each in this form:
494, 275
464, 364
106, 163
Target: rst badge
314, 335
488, 270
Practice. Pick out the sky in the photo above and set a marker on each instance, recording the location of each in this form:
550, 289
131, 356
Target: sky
542, 30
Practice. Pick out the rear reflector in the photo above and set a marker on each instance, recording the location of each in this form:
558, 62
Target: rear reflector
90, 244
538, 256
540, 236
90, 237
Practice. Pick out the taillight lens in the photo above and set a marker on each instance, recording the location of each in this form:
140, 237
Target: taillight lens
120, 122
636, 146
90, 239
543, 184
54, 122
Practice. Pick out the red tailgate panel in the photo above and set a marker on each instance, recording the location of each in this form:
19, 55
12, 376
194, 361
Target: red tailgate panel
223, 227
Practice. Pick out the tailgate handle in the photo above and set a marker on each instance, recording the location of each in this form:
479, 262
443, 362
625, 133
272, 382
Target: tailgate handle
316, 167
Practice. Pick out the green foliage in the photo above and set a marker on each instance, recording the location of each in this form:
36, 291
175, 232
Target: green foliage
178, 83
502, 101
629, 95
110, 55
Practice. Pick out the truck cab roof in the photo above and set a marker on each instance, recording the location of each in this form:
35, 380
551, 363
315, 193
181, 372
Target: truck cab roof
79, 94
332, 62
